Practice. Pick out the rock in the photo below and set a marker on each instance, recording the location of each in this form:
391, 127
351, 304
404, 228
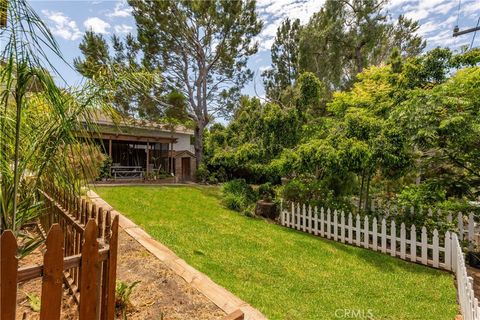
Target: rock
266, 209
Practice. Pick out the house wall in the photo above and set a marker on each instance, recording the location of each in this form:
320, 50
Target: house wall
183, 141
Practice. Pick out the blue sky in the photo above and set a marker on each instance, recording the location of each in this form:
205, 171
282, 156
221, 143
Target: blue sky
68, 21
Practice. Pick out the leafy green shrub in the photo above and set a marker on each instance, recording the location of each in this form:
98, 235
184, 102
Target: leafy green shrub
266, 191
240, 187
123, 291
234, 202
315, 193
238, 195
202, 173
105, 167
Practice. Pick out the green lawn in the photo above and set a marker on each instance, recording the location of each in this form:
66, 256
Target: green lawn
284, 273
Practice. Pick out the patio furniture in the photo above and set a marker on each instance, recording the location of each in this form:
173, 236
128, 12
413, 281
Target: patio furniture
127, 172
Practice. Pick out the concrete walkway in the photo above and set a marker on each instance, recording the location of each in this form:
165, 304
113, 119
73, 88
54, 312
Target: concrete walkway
223, 298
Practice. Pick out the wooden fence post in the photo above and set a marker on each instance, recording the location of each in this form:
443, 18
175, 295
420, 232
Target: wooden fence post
51, 298
89, 273
111, 273
8, 275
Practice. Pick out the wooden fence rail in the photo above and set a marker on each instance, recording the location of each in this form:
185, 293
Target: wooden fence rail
72, 214
81, 252
97, 271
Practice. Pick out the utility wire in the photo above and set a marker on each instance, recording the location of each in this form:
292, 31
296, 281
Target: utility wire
474, 34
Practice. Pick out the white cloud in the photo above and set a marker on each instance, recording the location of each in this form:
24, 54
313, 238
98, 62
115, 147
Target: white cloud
63, 26
122, 28
264, 68
96, 25
273, 12
121, 10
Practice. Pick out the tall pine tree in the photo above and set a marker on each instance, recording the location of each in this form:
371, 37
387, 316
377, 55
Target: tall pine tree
202, 48
347, 36
284, 53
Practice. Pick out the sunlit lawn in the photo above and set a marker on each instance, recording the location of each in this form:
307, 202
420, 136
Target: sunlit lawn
284, 273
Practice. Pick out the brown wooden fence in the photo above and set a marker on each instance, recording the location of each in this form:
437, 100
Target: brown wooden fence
81, 252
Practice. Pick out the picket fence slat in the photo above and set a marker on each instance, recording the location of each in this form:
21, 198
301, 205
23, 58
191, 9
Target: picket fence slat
413, 243
109, 283
90, 269
8, 275
393, 239
402, 241
357, 231
335, 225
51, 298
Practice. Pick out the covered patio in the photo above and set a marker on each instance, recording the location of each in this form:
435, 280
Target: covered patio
138, 156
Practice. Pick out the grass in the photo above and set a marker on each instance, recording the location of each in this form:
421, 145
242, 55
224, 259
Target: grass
284, 273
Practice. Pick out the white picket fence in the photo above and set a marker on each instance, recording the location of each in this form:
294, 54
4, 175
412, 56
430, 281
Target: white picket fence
466, 297
438, 251
465, 223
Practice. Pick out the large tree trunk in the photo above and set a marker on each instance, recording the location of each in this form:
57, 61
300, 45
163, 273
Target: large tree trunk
199, 143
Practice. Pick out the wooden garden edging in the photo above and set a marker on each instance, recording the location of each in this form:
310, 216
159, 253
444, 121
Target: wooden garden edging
81, 252
437, 251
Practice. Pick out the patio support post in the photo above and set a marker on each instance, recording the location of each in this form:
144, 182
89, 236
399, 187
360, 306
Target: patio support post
110, 148
148, 156
171, 157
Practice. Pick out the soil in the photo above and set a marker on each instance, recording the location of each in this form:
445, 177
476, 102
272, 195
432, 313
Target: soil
475, 274
160, 295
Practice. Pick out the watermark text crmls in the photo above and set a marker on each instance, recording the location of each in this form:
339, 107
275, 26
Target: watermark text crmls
354, 314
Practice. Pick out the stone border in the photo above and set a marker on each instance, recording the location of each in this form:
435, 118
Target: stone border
220, 296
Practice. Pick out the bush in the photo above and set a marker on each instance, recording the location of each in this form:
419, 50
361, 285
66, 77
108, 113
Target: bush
105, 172
238, 195
241, 188
315, 193
234, 202
202, 173
266, 191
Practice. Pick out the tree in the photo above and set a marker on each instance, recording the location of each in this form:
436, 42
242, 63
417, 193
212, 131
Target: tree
134, 88
284, 53
347, 36
202, 48
40, 123
94, 47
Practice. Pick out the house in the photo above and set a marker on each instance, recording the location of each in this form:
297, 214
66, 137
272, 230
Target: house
141, 149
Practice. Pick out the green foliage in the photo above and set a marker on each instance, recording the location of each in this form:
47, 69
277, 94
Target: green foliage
266, 191
33, 301
284, 52
238, 195
316, 193
345, 37
257, 134
40, 124
212, 40
105, 168
312, 95
123, 291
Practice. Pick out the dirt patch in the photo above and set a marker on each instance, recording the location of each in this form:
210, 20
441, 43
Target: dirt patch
161, 294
